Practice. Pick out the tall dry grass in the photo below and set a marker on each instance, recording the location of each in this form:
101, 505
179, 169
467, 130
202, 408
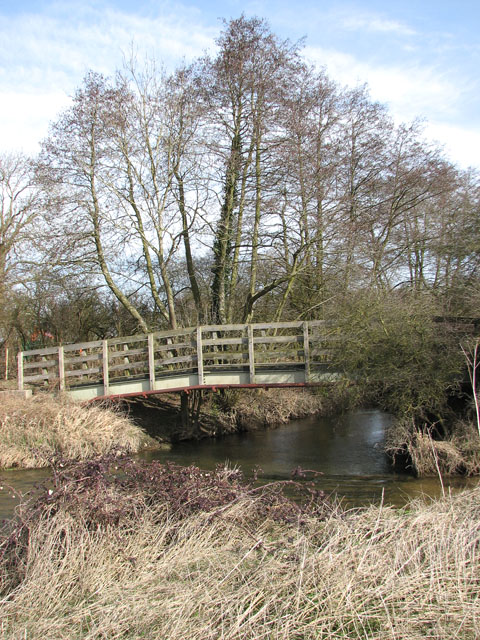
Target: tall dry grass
377, 573
459, 453
35, 430
250, 409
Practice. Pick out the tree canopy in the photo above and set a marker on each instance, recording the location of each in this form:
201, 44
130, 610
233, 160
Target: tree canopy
247, 185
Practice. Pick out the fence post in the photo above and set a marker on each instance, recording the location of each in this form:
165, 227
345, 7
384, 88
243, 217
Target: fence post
306, 351
61, 368
200, 356
106, 385
251, 353
151, 361
20, 371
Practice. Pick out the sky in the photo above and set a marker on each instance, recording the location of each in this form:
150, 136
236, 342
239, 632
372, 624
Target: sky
419, 57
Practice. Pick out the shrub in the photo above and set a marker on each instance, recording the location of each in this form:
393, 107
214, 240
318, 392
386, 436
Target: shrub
400, 358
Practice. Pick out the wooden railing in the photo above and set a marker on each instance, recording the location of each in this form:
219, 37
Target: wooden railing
193, 351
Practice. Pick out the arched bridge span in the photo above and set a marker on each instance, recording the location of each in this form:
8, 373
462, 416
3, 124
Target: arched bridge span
210, 356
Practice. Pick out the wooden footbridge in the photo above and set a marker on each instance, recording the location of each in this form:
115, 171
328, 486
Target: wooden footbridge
207, 357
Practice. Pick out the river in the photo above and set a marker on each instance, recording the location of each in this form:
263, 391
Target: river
347, 450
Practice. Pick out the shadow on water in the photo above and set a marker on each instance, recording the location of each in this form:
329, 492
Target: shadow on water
14, 483
346, 449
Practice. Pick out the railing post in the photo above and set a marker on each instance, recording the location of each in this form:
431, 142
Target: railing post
126, 360
44, 372
20, 371
106, 385
61, 368
200, 356
251, 353
306, 351
151, 361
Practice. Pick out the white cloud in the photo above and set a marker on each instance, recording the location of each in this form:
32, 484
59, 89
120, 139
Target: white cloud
37, 78
374, 23
461, 144
25, 116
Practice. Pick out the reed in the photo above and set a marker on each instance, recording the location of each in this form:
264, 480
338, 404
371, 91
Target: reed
237, 570
457, 453
37, 430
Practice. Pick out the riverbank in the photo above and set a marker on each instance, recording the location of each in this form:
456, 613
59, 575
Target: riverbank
170, 552
39, 430
418, 447
229, 411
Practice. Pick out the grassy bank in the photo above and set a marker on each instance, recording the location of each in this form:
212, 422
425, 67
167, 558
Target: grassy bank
250, 409
37, 430
418, 447
173, 553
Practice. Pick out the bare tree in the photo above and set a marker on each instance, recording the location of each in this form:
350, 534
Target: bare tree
19, 211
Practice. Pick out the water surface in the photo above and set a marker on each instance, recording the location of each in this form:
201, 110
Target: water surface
347, 449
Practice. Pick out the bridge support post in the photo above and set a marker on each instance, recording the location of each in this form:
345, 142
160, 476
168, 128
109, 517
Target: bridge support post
61, 368
190, 405
251, 354
20, 371
151, 360
106, 383
184, 410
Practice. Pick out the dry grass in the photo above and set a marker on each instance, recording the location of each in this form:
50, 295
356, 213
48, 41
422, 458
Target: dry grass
377, 573
458, 454
252, 409
36, 430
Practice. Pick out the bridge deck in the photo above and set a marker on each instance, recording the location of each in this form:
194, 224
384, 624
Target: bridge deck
263, 354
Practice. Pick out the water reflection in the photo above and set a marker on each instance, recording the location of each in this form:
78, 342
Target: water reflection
346, 445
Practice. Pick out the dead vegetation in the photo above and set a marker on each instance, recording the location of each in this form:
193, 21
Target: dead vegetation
237, 564
257, 408
458, 453
37, 430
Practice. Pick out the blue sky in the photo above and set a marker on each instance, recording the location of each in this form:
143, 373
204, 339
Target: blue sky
419, 57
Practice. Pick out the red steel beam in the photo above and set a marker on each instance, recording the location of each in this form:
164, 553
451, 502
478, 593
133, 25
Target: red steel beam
206, 387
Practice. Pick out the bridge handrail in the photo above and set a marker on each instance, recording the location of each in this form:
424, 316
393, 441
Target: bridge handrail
168, 351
